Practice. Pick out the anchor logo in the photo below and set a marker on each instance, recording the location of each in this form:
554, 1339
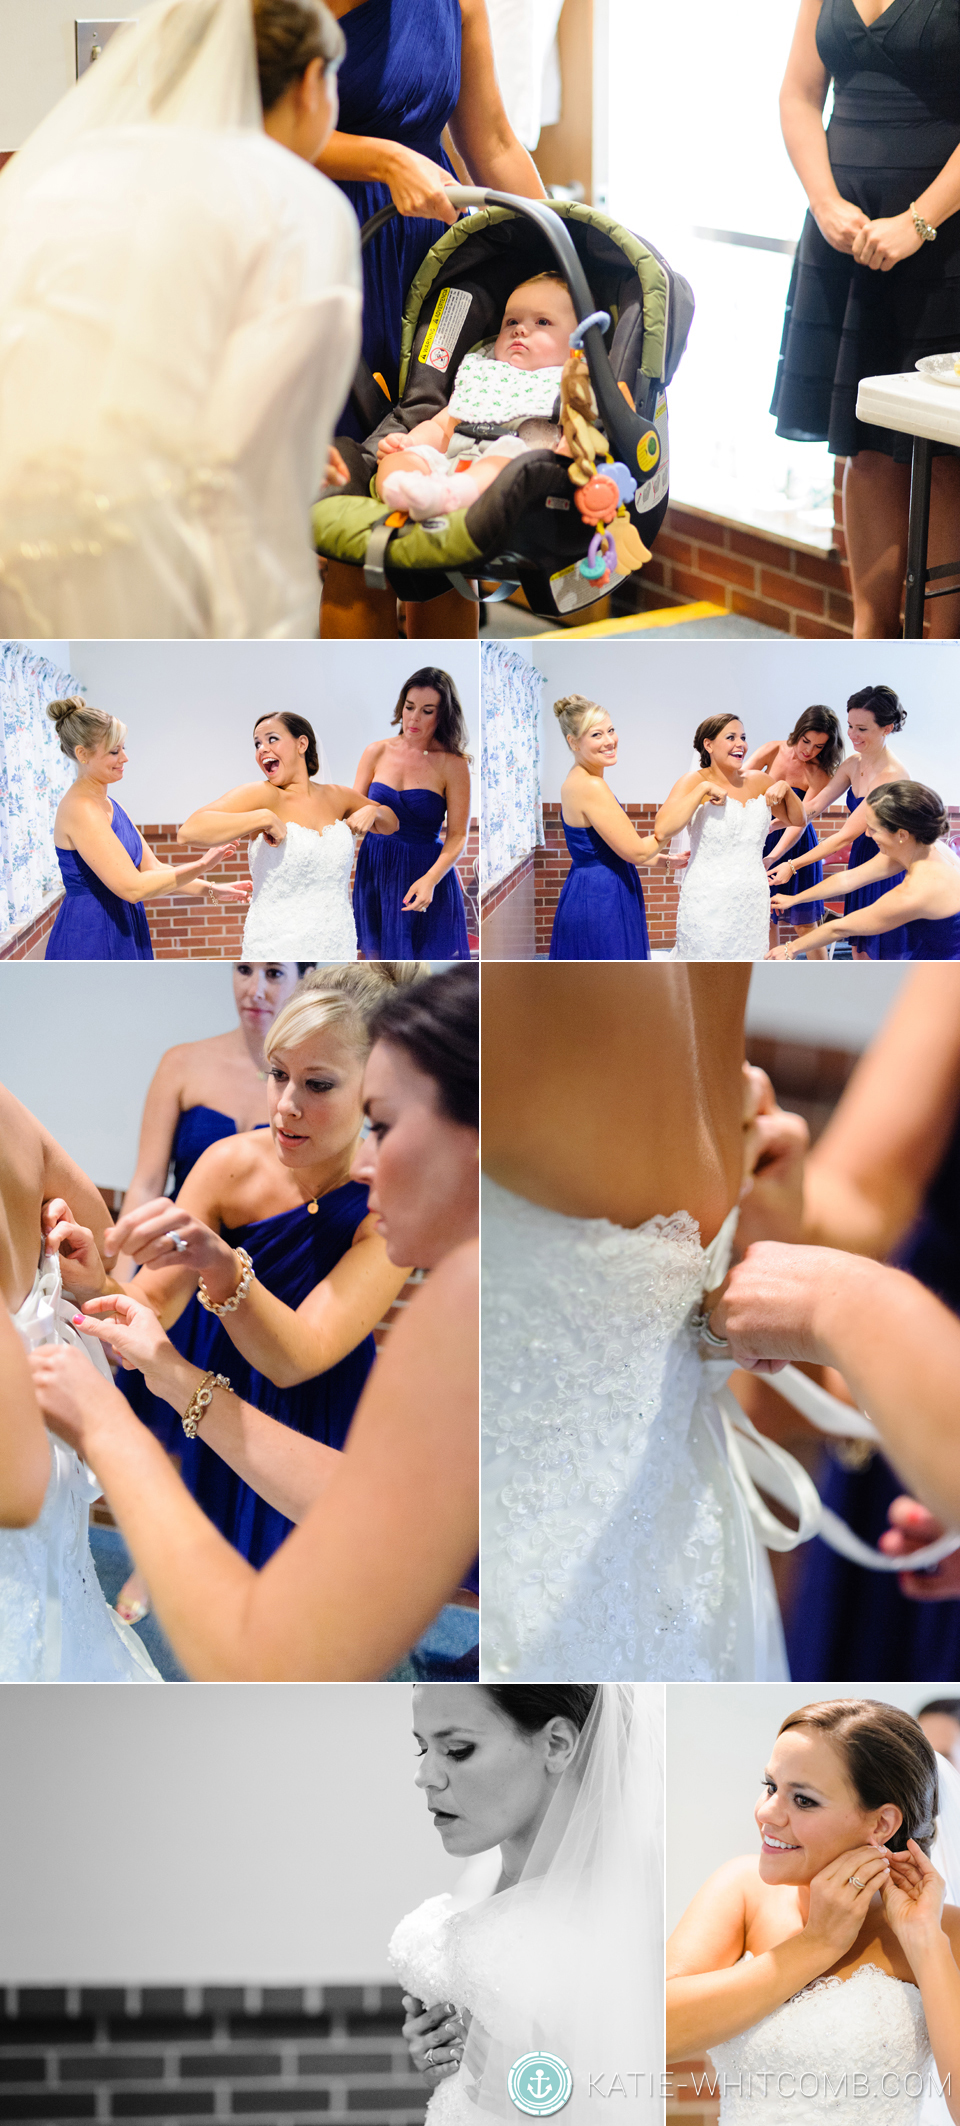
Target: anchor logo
539, 2084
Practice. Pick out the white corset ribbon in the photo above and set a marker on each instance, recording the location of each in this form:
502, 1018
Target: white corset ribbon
754, 1460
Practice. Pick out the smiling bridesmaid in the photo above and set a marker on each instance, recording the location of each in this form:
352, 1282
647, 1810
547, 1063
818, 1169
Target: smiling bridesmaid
407, 898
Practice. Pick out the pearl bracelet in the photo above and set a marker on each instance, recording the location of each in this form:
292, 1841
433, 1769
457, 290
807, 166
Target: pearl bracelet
229, 1306
201, 1400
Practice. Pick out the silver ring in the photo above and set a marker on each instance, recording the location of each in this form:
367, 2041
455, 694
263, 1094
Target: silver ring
856, 1883
706, 1335
176, 1242
428, 2059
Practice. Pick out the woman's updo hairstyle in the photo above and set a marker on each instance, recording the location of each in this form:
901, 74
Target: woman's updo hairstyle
79, 725
531, 1705
438, 1026
711, 727
344, 998
298, 727
289, 34
912, 807
884, 705
575, 714
820, 718
887, 1759
451, 731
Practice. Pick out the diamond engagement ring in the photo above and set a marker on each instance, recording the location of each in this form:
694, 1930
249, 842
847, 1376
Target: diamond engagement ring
700, 1323
856, 1883
175, 1241
428, 2059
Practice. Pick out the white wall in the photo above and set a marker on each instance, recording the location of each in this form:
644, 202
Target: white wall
658, 691
38, 59
80, 1041
209, 1833
190, 707
839, 1004
718, 1737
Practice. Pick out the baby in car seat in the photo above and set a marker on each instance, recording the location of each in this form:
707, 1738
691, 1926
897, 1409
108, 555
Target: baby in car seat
436, 467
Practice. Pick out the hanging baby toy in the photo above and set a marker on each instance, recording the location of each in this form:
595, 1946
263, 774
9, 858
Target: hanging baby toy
602, 496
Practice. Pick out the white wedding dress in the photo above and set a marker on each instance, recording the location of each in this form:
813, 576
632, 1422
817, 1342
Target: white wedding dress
55, 1625
617, 1540
842, 2048
301, 907
724, 911
436, 1960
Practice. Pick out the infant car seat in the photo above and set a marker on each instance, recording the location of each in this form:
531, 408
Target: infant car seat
634, 316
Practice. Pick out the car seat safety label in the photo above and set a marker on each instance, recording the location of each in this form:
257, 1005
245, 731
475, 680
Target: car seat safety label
444, 328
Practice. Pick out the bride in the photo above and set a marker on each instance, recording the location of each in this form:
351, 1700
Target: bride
551, 1943
180, 326
54, 1622
301, 845
724, 911
843, 1894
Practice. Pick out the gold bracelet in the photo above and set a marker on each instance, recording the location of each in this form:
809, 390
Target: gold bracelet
201, 1400
925, 229
229, 1306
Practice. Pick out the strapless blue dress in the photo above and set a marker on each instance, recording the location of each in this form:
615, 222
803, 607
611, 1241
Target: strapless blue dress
198, 1127
93, 923
890, 944
292, 1252
929, 940
387, 866
600, 914
400, 81
811, 875
846, 1623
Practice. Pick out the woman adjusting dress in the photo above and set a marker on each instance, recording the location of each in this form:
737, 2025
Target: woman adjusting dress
407, 897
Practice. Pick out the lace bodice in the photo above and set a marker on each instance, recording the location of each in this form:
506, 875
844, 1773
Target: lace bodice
437, 1958
301, 896
55, 1625
724, 911
843, 2049
614, 1543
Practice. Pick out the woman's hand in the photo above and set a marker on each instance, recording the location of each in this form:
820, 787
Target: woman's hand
337, 473
780, 952
205, 862
240, 891
770, 1310
80, 1266
882, 244
144, 1234
126, 1327
437, 2031
837, 1908
712, 793
419, 896
364, 821
911, 1527
774, 1149
781, 874
76, 1401
274, 833
839, 222
913, 1899
419, 186
777, 793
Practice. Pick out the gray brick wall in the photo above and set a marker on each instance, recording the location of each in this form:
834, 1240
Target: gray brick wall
266, 2055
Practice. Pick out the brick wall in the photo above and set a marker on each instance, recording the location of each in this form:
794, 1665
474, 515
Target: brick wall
507, 915
660, 882
175, 2053
795, 589
183, 928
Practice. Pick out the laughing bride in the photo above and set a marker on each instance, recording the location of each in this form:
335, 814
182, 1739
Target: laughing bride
826, 1967
724, 911
302, 836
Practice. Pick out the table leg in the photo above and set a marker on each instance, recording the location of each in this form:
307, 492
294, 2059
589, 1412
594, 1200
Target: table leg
917, 539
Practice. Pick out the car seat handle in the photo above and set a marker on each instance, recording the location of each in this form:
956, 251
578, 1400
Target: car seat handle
596, 317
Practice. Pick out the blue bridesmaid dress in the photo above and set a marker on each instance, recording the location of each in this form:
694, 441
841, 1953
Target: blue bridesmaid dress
400, 81
811, 875
930, 940
93, 923
387, 866
846, 1623
600, 914
890, 944
292, 1252
197, 1128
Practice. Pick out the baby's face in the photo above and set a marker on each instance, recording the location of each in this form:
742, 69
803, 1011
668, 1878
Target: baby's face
537, 324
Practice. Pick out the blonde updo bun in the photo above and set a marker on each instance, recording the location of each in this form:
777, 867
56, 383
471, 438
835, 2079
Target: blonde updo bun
342, 997
79, 725
575, 714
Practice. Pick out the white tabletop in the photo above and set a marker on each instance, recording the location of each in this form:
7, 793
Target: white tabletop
913, 404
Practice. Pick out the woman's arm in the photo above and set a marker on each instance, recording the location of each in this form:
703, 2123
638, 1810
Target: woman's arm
379, 1552
364, 817
821, 800
882, 244
802, 98
762, 760
682, 803
94, 840
235, 814
608, 819
712, 1991
479, 128
24, 1446
367, 771
416, 185
878, 867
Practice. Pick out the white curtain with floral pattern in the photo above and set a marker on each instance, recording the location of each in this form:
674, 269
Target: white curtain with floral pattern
511, 813
33, 777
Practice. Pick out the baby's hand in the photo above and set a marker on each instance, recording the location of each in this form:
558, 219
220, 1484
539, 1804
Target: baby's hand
398, 439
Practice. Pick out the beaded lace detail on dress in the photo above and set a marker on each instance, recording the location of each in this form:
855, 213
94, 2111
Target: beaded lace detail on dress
613, 1543
724, 911
301, 896
436, 1958
842, 2048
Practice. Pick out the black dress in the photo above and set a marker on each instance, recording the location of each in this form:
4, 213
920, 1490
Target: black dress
895, 123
